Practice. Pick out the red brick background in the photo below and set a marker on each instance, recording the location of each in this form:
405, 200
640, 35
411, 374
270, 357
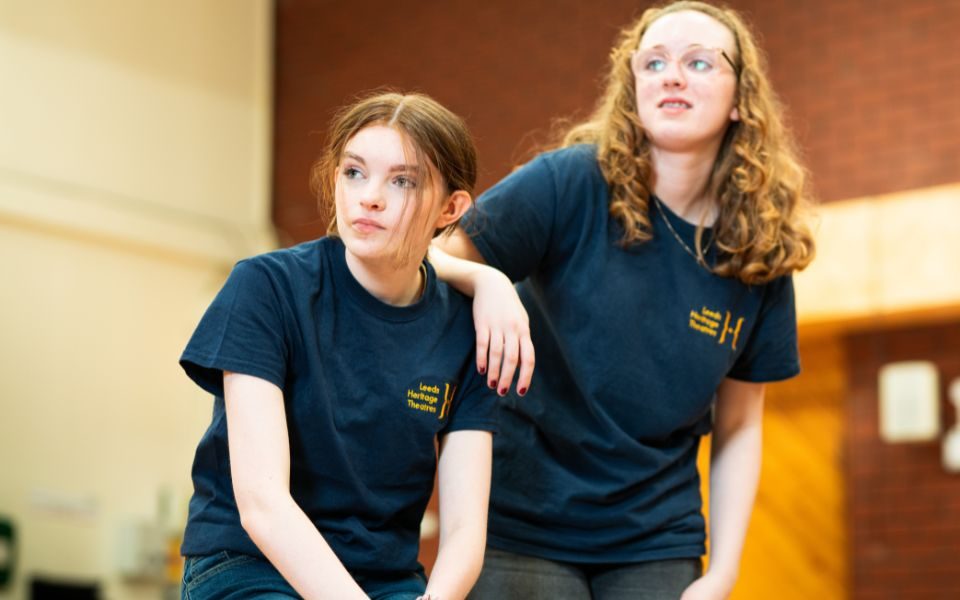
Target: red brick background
871, 86
904, 509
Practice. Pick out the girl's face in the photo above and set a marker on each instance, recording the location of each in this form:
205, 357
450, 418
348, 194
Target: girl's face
685, 86
376, 197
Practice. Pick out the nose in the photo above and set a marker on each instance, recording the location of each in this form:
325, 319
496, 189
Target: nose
371, 198
673, 75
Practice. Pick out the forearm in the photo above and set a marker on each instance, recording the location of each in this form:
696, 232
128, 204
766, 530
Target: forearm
734, 476
503, 329
291, 542
458, 564
464, 486
460, 273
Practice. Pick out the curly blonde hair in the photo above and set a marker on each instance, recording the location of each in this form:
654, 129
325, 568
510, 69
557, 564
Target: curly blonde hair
759, 185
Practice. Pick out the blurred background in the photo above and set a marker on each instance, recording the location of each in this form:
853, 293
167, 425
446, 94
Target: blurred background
146, 146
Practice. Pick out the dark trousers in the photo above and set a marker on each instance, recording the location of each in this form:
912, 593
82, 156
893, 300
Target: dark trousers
233, 576
509, 576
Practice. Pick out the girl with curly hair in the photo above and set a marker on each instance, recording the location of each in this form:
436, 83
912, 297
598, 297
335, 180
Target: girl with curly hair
653, 252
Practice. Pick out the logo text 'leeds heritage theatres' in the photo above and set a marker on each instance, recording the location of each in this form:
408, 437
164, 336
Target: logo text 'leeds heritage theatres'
717, 325
427, 397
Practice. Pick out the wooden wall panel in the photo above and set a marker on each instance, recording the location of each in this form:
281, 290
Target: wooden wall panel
796, 546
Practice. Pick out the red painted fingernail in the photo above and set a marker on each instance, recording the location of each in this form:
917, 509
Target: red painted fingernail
482, 370
503, 391
493, 383
522, 391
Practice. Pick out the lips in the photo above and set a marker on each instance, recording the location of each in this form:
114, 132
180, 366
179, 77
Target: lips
674, 103
366, 225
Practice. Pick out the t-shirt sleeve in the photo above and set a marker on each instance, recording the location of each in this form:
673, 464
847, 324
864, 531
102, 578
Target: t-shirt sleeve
242, 331
475, 405
513, 221
771, 353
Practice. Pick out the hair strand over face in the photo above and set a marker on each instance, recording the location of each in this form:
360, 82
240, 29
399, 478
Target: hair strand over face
446, 157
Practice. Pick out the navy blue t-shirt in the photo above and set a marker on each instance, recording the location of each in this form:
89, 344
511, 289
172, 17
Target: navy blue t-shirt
367, 389
597, 463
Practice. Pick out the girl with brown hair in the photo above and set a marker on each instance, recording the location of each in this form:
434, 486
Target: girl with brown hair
340, 368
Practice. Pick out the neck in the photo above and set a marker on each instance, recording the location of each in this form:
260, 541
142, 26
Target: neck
680, 182
397, 285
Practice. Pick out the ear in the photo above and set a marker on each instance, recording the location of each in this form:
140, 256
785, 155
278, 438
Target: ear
453, 208
734, 114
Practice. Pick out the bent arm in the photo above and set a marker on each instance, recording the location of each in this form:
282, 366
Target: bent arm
464, 490
501, 323
458, 273
734, 475
260, 467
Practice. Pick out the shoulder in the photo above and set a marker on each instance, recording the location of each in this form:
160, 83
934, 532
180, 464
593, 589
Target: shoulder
286, 270
579, 159
448, 306
303, 259
779, 292
563, 163
448, 299
301, 256
574, 170
577, 155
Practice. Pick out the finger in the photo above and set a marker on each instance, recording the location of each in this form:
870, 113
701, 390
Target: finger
508, 365
527, 362
495, 354
483, 342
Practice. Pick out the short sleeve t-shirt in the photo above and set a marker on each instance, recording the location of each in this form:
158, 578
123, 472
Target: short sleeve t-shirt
367, 389
597, 463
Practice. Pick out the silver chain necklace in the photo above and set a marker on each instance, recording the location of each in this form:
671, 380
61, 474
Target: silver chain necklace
683, 244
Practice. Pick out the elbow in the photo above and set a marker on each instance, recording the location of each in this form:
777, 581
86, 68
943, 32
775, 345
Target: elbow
256, 513
254, 522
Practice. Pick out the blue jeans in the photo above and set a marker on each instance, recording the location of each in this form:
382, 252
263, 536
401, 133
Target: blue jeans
509, 576
233, 576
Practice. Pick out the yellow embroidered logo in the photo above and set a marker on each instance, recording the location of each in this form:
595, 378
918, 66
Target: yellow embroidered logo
716, 325
426, 397
448, 392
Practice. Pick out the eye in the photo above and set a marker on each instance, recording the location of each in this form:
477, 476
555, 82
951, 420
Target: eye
700, 65
404, 182
352, 173
655, 65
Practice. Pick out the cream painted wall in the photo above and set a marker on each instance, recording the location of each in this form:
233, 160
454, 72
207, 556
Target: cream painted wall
134, 170
884, 260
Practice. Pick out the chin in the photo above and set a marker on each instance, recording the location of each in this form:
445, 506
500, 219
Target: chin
680, 140
672, 143
363, 249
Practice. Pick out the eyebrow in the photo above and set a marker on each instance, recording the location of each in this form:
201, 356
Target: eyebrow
663, 47
394, 168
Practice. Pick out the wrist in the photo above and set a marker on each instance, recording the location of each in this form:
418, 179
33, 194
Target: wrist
723, 576
479, 272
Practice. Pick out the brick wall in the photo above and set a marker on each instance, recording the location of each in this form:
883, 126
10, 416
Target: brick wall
904, 509
871, 85
872, 88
